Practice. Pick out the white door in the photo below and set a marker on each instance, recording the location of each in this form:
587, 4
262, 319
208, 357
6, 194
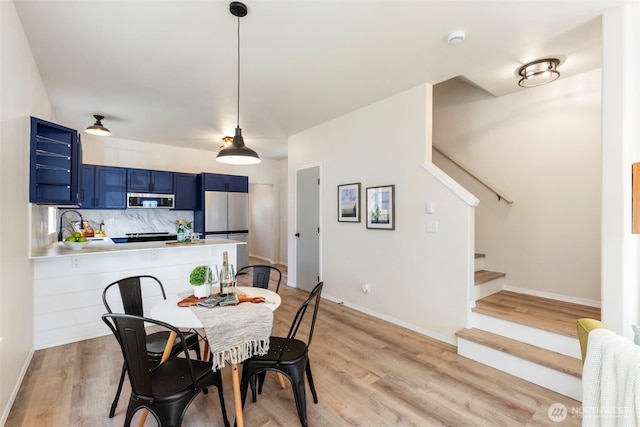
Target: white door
308, 228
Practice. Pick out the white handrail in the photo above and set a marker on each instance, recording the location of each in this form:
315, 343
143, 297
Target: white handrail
500, 195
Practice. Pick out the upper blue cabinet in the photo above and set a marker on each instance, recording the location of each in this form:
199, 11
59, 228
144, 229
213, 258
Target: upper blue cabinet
56, 159
149, 181
103, 187
185, 187
229, 183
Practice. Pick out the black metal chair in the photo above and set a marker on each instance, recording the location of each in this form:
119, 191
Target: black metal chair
130, 295
261, 275
288, 356
167, 389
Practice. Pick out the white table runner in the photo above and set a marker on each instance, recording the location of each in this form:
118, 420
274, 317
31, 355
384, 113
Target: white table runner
236, 333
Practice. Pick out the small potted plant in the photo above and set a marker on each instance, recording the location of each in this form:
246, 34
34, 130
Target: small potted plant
201, 278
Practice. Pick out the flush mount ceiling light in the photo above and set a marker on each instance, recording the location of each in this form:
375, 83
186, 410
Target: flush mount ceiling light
538, 73
237, 153
97, 128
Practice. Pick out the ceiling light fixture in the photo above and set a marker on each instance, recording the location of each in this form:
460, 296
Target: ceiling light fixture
226, 141
539, 72
237, 153
97, 128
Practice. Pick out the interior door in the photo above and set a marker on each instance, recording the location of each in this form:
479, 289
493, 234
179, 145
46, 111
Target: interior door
308, 228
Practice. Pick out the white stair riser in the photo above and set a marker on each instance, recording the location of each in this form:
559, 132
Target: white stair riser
540, 338
543, 376
488, 288
479, 264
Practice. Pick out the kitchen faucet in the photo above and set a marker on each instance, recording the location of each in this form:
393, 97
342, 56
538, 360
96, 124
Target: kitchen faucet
61, 215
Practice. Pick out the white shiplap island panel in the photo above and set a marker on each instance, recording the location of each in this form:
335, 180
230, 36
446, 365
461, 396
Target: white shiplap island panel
68, 284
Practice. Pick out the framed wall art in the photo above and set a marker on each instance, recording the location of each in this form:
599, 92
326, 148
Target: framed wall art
349, 202
635, 198
381, 207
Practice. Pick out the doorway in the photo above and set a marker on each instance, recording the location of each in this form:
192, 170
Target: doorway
263, 230
307, 227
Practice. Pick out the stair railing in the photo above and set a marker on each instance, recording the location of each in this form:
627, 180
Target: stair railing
499, 194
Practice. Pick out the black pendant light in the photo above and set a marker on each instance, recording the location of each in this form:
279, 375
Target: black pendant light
237, 153
97, 128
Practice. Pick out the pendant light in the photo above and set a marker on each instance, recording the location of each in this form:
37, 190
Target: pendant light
97, 128
237, 153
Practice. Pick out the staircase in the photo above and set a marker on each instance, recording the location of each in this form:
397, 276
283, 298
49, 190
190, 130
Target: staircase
527, 336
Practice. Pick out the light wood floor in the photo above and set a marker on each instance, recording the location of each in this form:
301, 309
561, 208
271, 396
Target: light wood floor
367, 372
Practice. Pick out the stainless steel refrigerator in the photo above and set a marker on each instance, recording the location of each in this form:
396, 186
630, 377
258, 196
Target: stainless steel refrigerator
227, 217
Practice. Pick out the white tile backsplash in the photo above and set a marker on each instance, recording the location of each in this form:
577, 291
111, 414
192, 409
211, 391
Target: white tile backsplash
45, 224
121, 222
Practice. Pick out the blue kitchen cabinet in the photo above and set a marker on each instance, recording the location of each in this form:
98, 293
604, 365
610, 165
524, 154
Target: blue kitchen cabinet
185, 187
229, 183
87, 187
149, 181
55, 162
103, 187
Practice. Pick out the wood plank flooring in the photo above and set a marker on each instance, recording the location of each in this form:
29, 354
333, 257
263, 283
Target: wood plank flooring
542, 313
367, 372
484, 276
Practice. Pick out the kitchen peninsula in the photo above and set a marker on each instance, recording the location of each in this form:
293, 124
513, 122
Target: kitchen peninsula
68, 284
106, 245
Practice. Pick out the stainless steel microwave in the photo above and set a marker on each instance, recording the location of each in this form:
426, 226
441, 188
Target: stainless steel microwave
150, 201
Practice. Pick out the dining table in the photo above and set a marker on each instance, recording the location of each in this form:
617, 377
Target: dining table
234, 333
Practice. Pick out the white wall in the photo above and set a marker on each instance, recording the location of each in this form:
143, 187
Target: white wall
113, 151
418, 279
541, 147
620, 149
23, 95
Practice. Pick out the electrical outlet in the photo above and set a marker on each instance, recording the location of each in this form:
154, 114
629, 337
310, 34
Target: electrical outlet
366, 288
432, 226
75, 262
112, 221
154, 255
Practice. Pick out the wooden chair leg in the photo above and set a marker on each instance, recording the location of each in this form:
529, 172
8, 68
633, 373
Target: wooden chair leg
281, 379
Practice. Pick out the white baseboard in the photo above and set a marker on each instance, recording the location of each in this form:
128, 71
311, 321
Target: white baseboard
395, 321
16, 388
269, 260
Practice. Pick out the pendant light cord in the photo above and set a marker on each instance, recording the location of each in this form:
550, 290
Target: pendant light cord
238, 98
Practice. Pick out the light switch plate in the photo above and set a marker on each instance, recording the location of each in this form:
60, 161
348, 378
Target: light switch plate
429, 207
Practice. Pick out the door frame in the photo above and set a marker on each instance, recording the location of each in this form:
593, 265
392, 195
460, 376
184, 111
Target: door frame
320, 219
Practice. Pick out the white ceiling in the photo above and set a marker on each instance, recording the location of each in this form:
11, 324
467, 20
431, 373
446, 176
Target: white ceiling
165, 71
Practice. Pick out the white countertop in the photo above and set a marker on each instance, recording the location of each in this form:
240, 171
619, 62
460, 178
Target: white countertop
106, 245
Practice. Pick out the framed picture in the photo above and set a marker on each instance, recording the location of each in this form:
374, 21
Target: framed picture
349, 203
381, 207
635, 198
